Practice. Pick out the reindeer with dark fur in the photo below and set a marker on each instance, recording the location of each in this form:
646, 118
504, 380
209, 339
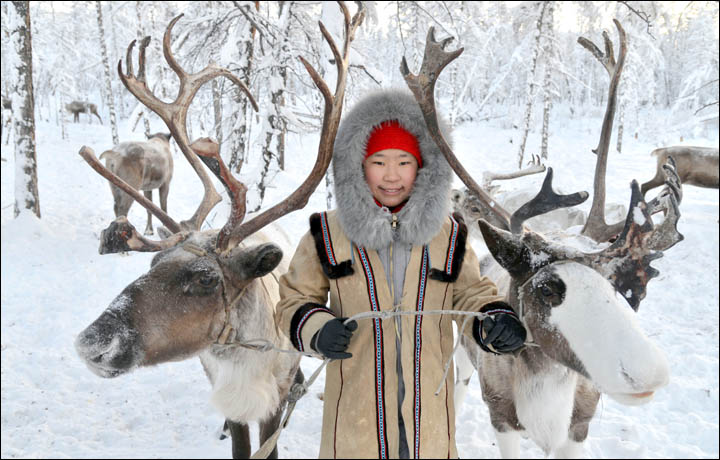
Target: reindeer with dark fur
211, 294
576, 307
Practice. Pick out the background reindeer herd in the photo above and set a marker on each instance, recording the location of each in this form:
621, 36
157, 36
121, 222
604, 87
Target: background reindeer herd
219, 286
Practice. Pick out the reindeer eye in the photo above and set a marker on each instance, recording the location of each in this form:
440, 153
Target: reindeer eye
546, 291
475, 209
208, 280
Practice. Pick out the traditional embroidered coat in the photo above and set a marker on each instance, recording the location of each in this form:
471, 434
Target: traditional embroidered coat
339, 257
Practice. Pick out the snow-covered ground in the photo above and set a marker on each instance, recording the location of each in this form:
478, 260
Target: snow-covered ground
54, 283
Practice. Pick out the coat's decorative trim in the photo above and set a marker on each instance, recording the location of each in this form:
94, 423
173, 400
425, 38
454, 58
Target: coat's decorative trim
455, 252
323, 244
379, 361
418, 347
300, 318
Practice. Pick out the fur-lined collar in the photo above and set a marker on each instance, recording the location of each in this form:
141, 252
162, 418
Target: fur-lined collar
364, 222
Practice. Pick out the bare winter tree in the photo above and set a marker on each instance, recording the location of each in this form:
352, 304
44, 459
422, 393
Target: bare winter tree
241, 119
532, 85
549, 37
26, 187
108, 81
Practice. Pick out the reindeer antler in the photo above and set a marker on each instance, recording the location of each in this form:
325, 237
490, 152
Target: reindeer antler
422, 86
331, 119
175, 114
534, 166
121, 236
545, 201
626, 263
595, 226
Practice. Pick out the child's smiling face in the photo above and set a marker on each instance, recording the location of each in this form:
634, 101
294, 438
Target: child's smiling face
390, 174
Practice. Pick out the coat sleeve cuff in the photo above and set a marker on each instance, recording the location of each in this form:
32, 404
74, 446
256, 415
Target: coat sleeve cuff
306, 321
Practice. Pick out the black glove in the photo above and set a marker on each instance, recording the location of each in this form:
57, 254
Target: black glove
501, 332
333, 338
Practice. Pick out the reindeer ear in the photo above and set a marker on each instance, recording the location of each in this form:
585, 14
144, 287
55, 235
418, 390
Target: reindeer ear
524, 254
507, 249
254, 262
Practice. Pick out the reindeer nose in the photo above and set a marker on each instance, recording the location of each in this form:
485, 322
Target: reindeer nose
106, 353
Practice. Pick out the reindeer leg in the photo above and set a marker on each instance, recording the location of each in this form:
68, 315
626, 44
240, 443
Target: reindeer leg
163, 192
586, 400
465, 361
148, 227
498, 395
240, 434
509, 443
656, 181
268, 428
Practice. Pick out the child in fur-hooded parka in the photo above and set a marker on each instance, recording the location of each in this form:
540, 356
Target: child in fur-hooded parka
374, 254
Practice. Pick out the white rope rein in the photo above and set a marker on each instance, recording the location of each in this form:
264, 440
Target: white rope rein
298, 390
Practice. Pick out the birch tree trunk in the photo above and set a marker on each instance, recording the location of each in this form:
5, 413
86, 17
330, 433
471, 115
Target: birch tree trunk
242, 118
26, 186
531, 87
621, 125
278, 81
108, 81
62, 117
275, 123
547, 91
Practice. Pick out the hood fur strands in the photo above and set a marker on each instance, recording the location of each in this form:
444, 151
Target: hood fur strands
364, 222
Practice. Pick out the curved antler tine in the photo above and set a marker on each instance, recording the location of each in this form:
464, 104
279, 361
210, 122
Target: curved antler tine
545, 201
436, 58
227, 74
128, 60
317, 79
673, 186
609, 52
331, 42
168, 52
209, 152
636, 211
141, 61
666, 235
443, 43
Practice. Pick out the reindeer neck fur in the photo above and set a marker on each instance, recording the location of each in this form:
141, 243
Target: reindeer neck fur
244, 387
532, 392
535, 395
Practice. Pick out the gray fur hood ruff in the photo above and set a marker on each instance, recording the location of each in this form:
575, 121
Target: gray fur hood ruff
364, 222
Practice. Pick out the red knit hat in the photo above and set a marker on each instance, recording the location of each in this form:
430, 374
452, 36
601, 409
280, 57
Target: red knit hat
390, 135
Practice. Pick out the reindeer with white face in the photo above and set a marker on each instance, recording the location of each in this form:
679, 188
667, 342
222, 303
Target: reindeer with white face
144, 166
576, 306
209, 294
